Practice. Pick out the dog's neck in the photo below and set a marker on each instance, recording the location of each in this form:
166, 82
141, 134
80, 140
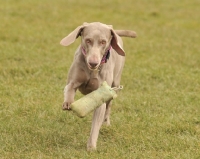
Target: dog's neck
106, 56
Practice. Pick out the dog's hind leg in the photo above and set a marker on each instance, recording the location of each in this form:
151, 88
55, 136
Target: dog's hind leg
107, 113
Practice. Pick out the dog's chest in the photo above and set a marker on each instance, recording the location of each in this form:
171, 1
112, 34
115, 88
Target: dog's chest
89, 86
92, 83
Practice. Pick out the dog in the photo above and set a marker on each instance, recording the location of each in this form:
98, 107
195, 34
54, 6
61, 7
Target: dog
100, 57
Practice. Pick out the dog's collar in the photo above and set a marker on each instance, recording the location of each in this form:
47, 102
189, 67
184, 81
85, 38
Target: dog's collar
105, 56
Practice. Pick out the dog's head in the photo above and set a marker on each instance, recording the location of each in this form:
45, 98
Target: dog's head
97, 39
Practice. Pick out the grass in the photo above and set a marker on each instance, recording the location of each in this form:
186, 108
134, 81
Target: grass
155, 116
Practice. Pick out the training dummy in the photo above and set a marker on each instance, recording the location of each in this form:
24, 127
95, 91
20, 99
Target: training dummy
89, 102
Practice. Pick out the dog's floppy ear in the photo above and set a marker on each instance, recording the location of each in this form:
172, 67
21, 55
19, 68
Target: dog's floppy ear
115, 44
69, 39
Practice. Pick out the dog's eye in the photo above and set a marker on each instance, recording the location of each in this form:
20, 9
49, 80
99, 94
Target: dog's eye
88, 41
103, 42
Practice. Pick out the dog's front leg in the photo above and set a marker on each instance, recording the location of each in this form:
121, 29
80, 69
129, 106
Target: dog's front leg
69, 93
98, 118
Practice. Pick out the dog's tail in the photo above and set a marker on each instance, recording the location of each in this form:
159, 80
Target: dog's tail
126, 33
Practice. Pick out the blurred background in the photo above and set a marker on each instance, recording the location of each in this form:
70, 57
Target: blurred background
155, 116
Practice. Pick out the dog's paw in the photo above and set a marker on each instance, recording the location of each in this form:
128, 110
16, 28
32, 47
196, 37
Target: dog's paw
107, 121
66, 106
91, 148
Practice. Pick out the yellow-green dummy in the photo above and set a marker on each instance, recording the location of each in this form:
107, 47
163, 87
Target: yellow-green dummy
89, 102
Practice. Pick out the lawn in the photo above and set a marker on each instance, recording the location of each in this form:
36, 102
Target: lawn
156, 115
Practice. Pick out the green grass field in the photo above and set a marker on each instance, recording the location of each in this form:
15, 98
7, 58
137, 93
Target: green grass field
156, 115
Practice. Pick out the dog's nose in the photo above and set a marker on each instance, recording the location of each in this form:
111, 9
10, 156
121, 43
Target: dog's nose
93, 65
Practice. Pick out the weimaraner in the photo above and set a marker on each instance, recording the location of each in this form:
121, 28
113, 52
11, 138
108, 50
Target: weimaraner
100, 57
